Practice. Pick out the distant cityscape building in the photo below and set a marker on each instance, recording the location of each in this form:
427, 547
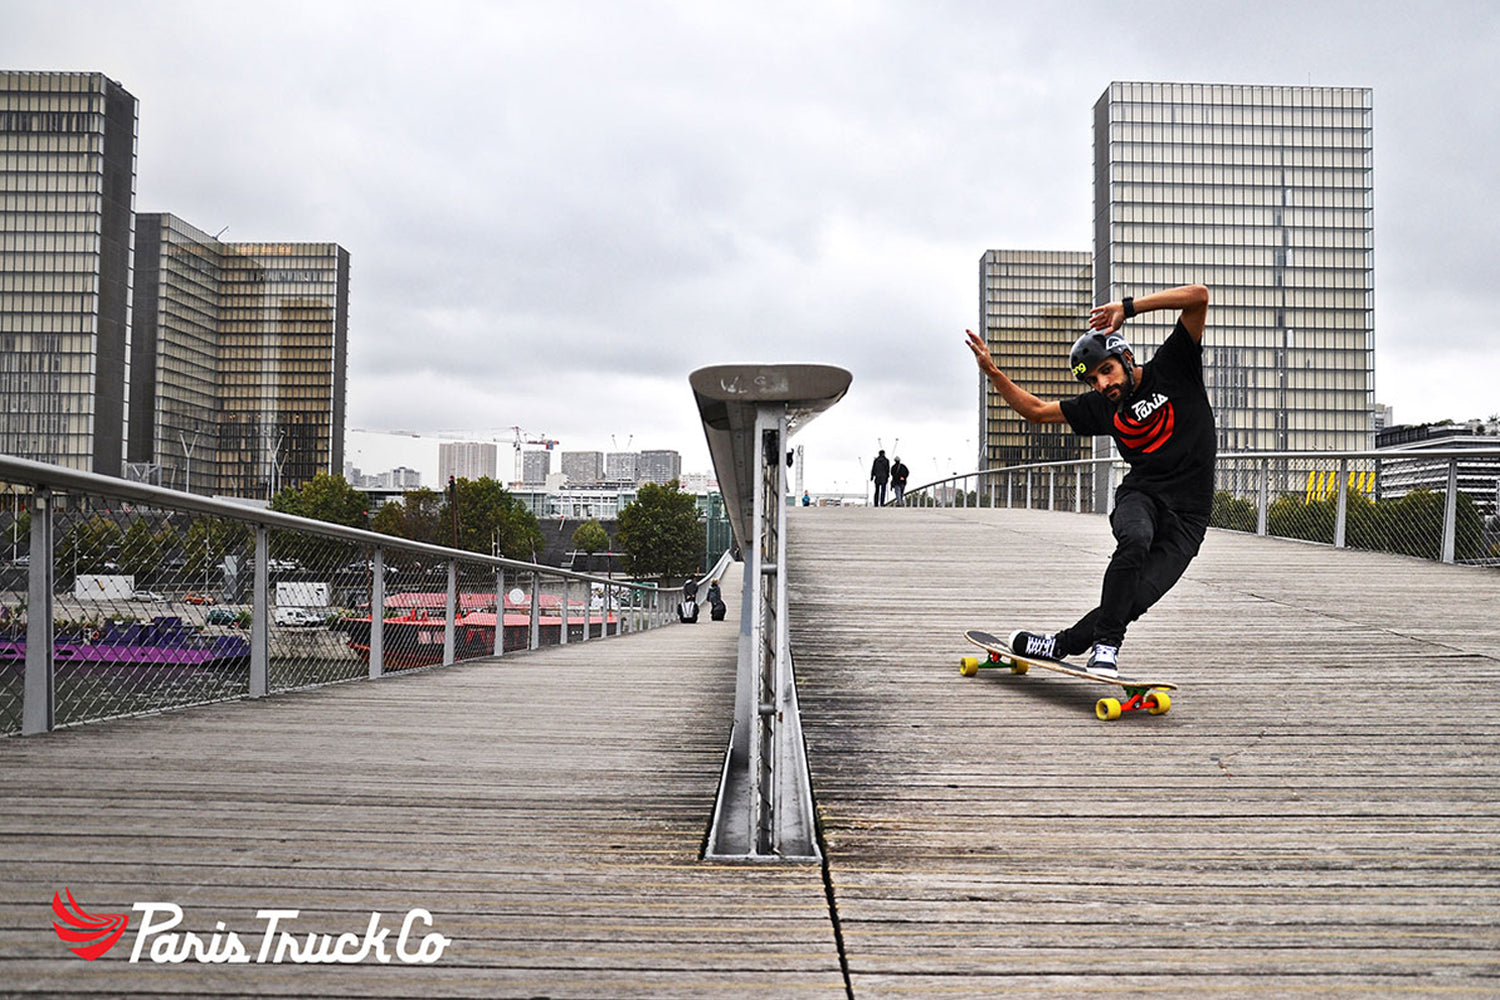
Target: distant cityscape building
466, 460
536, 466
1266, 195
659, 467
67, 192
1033, 304
582, 468
241, 359
1479, 476
622, 466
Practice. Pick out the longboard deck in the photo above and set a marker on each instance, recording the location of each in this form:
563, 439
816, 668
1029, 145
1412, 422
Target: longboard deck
1140, 694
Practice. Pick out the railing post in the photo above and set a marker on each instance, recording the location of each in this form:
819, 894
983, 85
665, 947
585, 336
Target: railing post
1450, 513
499, 610
377, 613
1078, 492
1052, 488
450, 614
567, 586
1341, 518
38, 705
534, 629
260, 617
1263, 505
588, 607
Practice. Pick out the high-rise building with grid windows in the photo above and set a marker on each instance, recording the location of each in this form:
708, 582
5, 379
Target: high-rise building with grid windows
67, 192
243, 353
1265, 194
1032, 305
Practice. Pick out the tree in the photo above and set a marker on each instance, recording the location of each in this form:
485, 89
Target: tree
591, 537
660, 532
322, 498
489, 518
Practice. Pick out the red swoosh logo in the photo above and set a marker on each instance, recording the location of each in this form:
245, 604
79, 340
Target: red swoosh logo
1147, 437
94, 933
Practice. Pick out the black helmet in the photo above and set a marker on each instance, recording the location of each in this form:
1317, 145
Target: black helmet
1093, 347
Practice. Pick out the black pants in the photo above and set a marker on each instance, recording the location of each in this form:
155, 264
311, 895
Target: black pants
879, 492
1153, 548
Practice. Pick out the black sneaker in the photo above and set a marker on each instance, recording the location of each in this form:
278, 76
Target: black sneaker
1104, 660
1043, 647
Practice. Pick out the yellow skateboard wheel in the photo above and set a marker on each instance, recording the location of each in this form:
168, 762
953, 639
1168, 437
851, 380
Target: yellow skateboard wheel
1108, 709
1017, 667
968, 666
1158, 702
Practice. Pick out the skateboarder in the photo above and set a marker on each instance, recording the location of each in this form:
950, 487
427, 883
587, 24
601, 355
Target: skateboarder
1161, 420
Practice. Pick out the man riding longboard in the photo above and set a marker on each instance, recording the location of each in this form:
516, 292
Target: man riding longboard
1163, 424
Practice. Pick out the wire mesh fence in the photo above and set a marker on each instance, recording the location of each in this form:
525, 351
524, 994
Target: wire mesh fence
119, 598
1433, 504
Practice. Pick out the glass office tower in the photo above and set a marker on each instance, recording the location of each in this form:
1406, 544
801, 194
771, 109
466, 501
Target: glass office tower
242, 363
1033, 304
283, 358
67, 192
1264, 194
174, 398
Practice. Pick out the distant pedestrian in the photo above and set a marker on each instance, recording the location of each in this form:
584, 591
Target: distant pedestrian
716, 607
806, 499
880, 472
899, 473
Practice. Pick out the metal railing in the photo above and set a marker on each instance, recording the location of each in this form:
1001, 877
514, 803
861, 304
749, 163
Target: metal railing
118, 598
764, 809
1440, 504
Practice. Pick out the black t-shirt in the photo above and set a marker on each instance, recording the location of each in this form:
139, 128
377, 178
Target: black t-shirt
1164, 430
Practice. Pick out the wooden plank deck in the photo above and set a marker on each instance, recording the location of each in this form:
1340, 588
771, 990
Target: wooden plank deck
548, 809
1318, 815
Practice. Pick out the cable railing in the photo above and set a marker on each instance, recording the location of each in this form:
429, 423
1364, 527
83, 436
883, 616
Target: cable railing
1440, 504
118, 598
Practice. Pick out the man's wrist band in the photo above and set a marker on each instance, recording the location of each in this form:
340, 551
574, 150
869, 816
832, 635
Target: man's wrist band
1129, 303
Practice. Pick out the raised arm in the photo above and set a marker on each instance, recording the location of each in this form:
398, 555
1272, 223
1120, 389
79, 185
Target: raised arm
1191, 299
1028, 406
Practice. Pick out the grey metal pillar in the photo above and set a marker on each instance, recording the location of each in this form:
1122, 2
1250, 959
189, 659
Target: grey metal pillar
450, 615
377, 613
1341, 515
567, 586
260, 618
38, 705
499, 610
534, 629
1450, 513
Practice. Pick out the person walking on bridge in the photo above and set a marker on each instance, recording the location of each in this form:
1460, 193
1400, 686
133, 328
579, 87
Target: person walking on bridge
880, 472
1163, 425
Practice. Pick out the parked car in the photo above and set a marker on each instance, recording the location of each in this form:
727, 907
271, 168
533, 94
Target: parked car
150, 595
297, 618
283, 565
224, 616
200, 599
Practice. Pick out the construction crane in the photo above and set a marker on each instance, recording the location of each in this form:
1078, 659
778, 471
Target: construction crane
521, 438
518, 437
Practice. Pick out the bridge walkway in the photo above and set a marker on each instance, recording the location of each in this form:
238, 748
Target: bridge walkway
1316, 816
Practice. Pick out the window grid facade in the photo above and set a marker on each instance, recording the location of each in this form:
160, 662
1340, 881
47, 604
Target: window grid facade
1033, 305
1264, 194
243, 360
67, 192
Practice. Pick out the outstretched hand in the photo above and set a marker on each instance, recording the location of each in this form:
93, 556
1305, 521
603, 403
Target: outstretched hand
981, 353
1108, 317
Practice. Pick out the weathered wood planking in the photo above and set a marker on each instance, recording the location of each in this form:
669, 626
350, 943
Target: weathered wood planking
547, 808
1318, 815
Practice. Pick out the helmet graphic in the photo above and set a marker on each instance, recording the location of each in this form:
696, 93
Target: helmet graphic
1094, 347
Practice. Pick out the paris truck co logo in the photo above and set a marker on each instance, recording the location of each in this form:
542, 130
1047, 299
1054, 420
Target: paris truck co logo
159, 940
94, 934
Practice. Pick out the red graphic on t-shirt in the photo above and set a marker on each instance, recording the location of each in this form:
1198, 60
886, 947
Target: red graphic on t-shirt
1146, 435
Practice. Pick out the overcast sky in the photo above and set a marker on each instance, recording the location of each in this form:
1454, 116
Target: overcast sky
555, 211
